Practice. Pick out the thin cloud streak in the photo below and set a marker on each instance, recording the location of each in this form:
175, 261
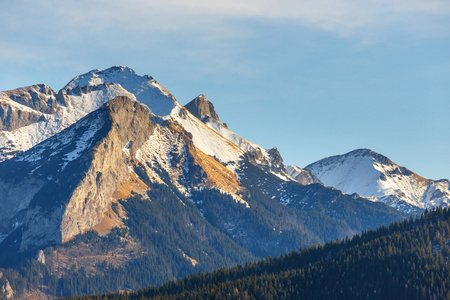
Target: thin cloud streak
345, 17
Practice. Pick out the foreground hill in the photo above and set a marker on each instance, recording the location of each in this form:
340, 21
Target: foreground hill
406, 260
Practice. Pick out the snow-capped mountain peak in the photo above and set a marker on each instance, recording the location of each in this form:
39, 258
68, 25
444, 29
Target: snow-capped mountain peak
35, 113
117, 74
144, 88
373, 175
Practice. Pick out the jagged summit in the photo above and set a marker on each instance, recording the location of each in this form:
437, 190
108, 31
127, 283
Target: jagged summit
32, 114
373, 175
202, 108
24, 106
97, 76
363, 152
145, 88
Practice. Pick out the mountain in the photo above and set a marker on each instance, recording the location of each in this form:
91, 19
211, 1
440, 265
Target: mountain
115, 185
376, 177
407, 260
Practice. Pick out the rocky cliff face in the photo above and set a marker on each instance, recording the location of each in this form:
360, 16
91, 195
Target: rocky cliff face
77, 177
202, 109
25, 106
28, 105
73, 176
6, 292
91, 205
39, 97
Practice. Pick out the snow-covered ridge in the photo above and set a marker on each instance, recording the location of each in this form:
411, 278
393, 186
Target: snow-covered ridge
207, 140
25, 137
80, 135
144, 88
373, 175
157, 152
82, 95
269, 160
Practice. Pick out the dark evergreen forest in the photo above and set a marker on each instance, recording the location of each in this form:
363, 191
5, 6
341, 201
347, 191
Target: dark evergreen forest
406, 260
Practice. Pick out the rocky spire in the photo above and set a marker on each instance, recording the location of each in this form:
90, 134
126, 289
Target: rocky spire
202, 108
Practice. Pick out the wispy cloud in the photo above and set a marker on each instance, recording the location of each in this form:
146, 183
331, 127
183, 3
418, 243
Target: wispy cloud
210, 35
344, 17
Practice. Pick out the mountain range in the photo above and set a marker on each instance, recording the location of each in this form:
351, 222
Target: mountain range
111, 177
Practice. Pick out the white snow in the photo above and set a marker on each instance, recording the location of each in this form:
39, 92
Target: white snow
157, 153
238, 140
350, 174
233, 137
207, 139
370, 175
83, 141
144, 88
79, 106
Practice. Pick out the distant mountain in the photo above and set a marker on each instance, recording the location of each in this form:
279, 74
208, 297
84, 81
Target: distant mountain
407, 260
111, 184
374, 176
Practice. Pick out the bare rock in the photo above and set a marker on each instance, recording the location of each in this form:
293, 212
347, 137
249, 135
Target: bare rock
302, 176
41, 257
202, 108
6, 290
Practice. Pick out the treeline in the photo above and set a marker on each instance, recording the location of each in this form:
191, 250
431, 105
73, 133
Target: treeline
405, 260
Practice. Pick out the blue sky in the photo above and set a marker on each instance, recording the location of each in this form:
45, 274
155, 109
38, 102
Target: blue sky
313, 78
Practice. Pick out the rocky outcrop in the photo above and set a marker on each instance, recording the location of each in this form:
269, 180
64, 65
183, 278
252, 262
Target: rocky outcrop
6, 290
41, 257
13, 117
302, 176
39, 97
269, 160
66, 185
92, 199
27, 105
202, 109
276, 161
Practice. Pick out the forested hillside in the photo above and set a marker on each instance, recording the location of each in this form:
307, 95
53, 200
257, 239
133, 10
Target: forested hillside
406, 260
